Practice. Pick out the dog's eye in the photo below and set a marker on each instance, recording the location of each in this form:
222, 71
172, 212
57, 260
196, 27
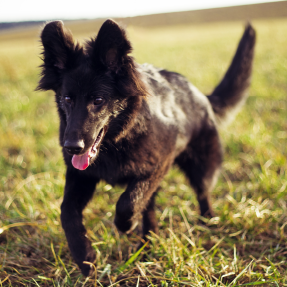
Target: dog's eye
98, 101
68, 100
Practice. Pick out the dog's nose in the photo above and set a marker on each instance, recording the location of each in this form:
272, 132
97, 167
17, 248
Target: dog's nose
74, 147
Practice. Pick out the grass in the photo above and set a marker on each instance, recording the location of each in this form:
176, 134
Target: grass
245, 245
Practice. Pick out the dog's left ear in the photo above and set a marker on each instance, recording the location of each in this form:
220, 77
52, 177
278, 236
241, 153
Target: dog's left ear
111, 46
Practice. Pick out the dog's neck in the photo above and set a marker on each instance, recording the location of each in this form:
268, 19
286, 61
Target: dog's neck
132, 119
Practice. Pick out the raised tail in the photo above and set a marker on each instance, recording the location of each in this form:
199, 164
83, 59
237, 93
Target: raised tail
231, 92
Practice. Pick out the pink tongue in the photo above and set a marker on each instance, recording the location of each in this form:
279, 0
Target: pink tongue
81, 162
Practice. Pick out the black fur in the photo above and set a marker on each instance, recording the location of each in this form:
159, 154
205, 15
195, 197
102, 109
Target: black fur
128, 124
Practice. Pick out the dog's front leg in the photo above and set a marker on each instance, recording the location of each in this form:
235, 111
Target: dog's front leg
78, 191
138, 199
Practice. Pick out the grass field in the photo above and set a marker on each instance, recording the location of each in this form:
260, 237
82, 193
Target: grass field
245, 245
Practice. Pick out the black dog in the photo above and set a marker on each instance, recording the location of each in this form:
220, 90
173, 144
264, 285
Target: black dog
128, 124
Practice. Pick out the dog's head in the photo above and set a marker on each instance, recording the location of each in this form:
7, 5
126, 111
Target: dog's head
94, 85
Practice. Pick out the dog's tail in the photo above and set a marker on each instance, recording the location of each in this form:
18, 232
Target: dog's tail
231, 92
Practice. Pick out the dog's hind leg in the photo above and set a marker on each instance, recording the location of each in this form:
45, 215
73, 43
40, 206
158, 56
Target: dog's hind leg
201, 163
78, 191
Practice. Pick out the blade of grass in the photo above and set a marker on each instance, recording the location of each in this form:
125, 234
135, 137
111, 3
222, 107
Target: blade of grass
107, 270
66, 271
132, 258
240, 274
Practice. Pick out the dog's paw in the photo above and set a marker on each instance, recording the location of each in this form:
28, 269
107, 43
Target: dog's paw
86, 266
125, 226
133, 226
208, 214
86, 269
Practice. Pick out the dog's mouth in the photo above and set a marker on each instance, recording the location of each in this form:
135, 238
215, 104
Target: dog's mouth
81, 162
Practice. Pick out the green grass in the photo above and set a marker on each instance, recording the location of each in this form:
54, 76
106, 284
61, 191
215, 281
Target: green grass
245, 245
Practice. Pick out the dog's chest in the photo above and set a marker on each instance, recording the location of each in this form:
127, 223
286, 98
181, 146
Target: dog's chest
118, 164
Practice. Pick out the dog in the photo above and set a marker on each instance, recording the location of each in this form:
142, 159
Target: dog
126, 123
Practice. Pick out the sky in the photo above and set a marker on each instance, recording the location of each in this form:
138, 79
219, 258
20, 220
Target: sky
26, 10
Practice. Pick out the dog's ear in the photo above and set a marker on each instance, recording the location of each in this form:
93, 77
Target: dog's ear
58, 44
59, 54
110, 52
111, 46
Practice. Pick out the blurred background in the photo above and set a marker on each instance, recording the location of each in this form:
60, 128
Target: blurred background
31, 10
197, 39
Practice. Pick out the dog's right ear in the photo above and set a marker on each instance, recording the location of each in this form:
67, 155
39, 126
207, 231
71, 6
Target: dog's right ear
59, 54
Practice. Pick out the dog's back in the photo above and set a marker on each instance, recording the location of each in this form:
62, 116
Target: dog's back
178, 109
